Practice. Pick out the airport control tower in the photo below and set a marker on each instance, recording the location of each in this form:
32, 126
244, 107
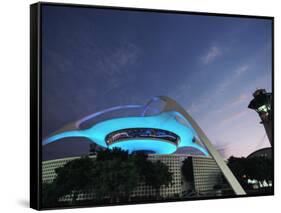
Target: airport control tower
262, 105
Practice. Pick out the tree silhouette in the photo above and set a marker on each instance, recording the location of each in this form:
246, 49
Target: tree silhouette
113, 175
258, 168
49, 195
187, 171
74, 177
156, 175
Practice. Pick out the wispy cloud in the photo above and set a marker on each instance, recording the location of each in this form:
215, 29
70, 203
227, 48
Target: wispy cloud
241, 99
193, 108
211, 55
207, 99
232, 118
231, 79
114, 62
181, 90
240, 70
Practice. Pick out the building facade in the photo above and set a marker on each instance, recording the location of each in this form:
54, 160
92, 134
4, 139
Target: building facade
205, 171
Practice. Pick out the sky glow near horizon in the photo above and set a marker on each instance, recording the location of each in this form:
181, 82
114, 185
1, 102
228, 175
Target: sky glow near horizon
94, 59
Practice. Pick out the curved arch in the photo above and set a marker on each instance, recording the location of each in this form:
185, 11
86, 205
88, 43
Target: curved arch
173, 105
146, 107
67, 134
111, 109
73, 126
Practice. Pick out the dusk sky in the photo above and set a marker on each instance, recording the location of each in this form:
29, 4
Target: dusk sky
96, 58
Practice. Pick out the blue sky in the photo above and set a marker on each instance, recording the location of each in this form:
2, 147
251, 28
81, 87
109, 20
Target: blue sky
95, 58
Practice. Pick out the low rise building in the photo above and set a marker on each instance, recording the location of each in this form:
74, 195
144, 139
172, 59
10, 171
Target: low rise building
206, 175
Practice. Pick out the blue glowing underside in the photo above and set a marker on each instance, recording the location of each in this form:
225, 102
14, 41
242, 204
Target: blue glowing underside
157, 146
165, 121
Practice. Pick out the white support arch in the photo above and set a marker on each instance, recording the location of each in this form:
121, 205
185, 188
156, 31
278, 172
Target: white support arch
172, 105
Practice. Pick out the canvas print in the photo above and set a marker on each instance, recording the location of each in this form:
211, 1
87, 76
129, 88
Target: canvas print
143, 106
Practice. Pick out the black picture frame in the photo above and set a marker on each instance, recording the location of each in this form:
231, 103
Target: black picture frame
36, 96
